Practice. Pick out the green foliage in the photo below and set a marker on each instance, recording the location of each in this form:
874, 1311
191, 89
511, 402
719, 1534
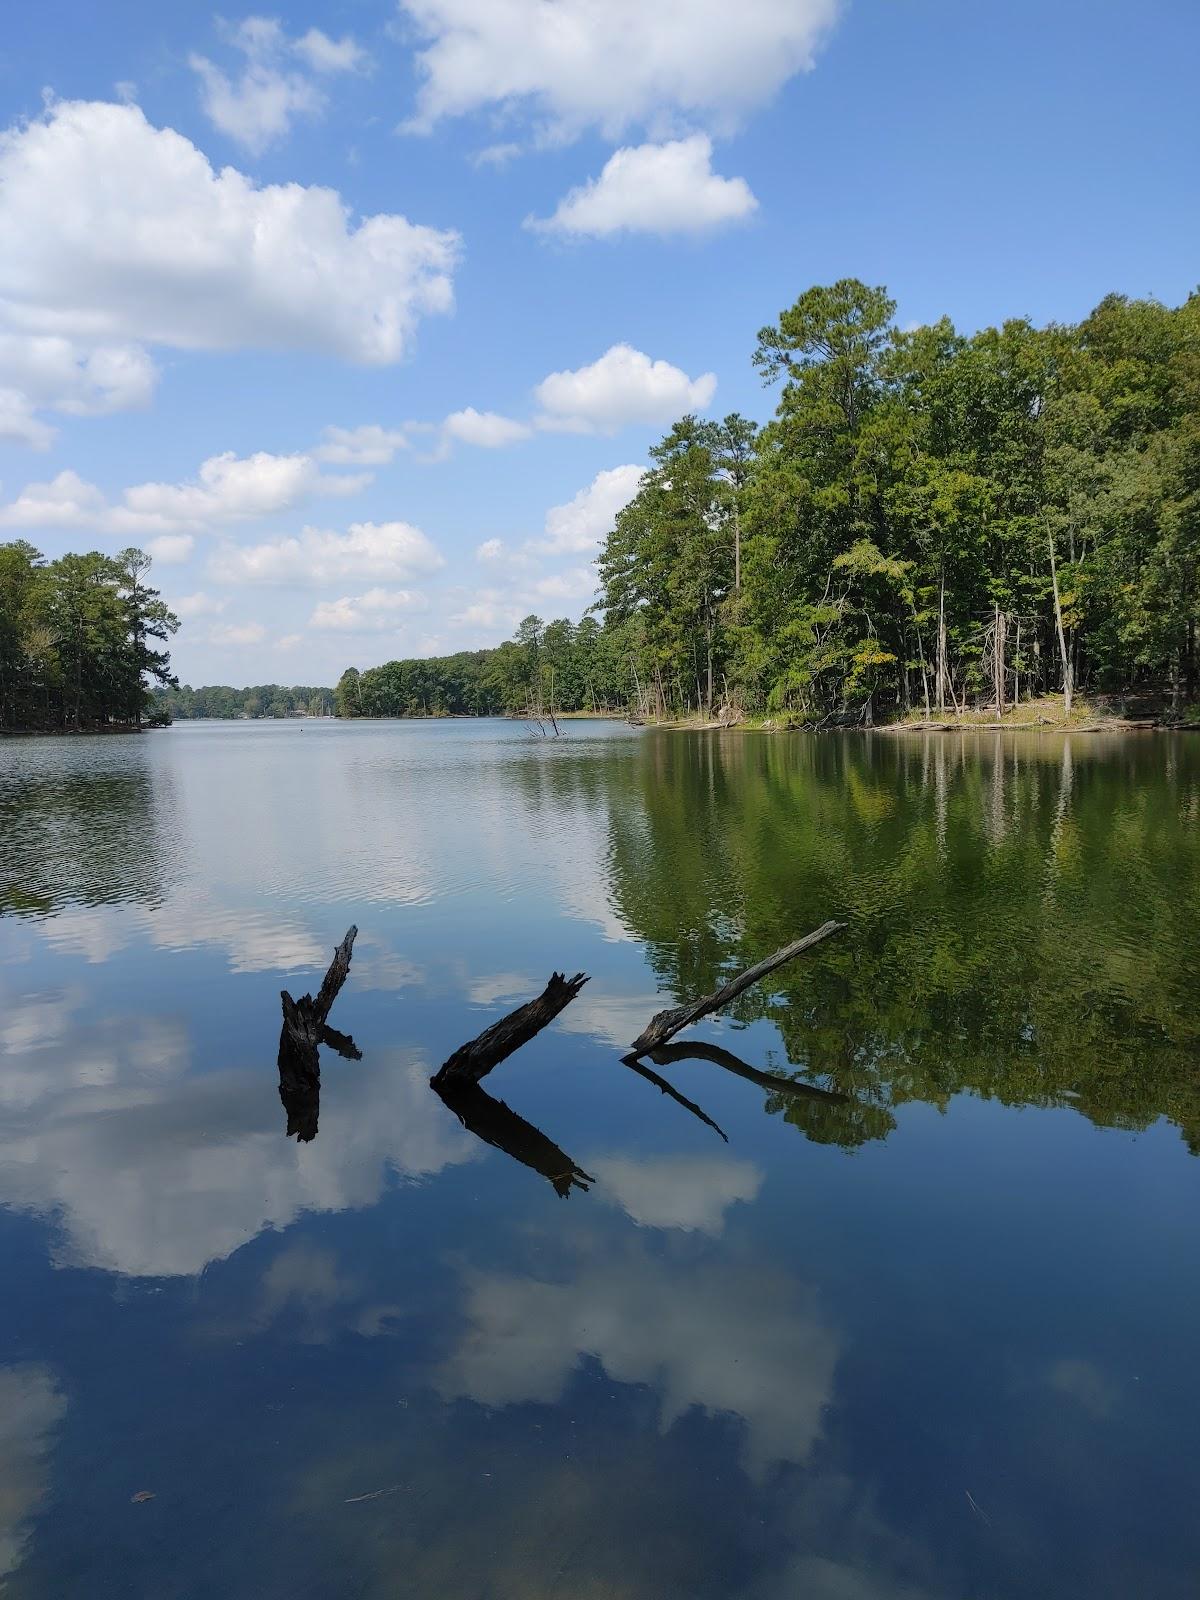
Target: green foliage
262, 700
77, 639
555, 666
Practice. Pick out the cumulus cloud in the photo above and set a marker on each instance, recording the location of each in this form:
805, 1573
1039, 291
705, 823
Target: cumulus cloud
487, 429
496, 155
622, 387
324, 54
237, 633
367, 446
489, 550
489, 609
198, 605
227, 488
376, 611
577, 64
578, 583
385, 551
48, 372
653, 188
121, 235
170, 548
584, 520
258, 105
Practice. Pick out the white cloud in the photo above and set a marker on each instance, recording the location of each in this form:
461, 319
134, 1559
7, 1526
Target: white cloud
622, 387
198, 605
376, 611
366, 446
289, 641
49, 372
258, 106
31, 1408
585, 519
19, 425
487, 429
67, 501
490, 609
577, 63
577, 583
119, 234
170, 548
324, 54
387, 551
226, 489
231, 488
653, 188
490, 550
496, 155
237, 633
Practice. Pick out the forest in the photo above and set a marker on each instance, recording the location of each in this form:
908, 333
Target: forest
931, 521
260, 700
79, 640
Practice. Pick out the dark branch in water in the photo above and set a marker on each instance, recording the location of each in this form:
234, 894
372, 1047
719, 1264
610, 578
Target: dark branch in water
498, 1125
666, 1024
475, 1060
669, 1054
304, 1031
650, 1076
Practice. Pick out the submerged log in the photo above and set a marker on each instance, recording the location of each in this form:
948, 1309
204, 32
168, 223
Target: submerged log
304, 1030
498, 1125
475, 1060
666, 1024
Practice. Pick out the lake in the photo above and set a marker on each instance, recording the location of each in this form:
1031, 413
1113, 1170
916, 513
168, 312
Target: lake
928, 1335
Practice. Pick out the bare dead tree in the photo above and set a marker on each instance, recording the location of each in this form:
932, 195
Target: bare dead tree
474, 1060
666, 1024
305, 1028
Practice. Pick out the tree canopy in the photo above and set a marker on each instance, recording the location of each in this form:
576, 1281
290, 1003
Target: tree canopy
79, 639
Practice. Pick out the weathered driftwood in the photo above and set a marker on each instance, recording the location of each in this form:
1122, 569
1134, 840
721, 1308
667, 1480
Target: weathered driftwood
498, 1125
667, 1055
475, 1060
304, 1030
666, 1024
650, 1076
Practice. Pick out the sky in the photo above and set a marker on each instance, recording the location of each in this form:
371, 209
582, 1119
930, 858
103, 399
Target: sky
361, 317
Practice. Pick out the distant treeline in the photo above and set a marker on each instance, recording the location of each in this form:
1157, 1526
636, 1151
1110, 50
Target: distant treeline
77, 640
264, 700
564, 665
932, 520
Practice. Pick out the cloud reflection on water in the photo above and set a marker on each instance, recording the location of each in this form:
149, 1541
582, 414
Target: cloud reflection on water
150, 1170
727, 1337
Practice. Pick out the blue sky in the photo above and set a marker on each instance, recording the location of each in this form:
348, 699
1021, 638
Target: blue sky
283, 293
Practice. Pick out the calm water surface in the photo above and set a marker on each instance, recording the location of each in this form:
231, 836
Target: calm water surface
935, 1338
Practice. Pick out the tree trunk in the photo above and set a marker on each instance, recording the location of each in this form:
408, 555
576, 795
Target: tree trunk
1062, 638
